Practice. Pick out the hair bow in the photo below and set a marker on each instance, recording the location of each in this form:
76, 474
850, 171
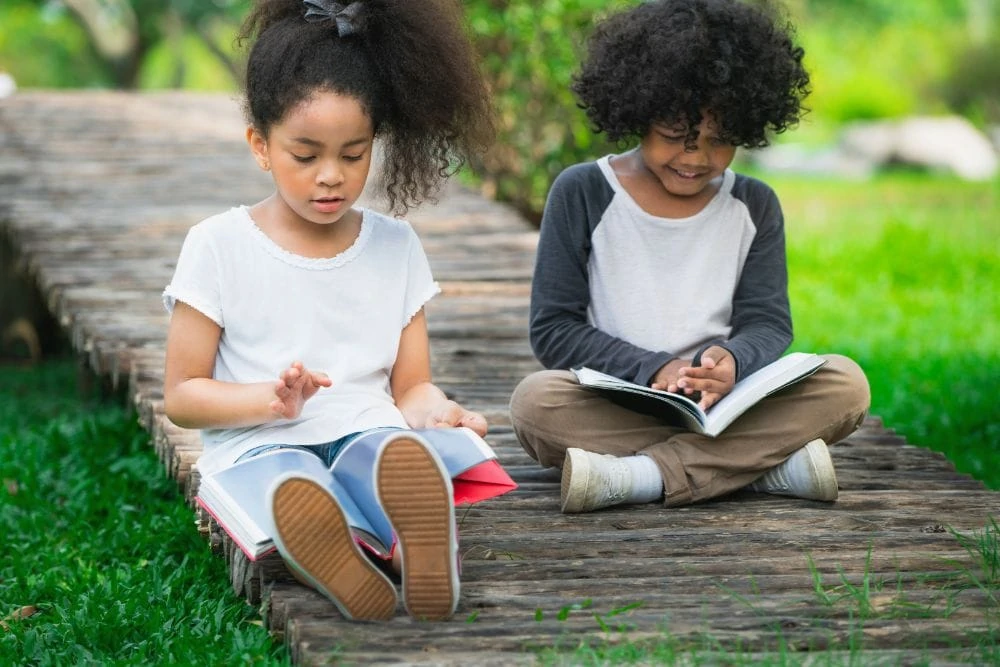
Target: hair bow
327, 10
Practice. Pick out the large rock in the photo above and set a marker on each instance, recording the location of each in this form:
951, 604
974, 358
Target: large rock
947, 142
799, 159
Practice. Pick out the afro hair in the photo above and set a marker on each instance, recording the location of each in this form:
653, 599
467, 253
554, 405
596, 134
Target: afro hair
669, 61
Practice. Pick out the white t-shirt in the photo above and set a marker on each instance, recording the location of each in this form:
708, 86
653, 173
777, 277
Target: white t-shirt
342, 315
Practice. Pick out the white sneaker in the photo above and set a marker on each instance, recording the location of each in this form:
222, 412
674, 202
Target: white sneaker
591, 481
808, 473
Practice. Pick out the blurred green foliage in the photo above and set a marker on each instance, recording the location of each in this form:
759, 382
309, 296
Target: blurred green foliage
869, 59
188, 64
111, 43
973, 89
530, 51
46, 50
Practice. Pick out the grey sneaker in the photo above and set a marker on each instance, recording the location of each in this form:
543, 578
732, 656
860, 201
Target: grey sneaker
808, 473
591, 481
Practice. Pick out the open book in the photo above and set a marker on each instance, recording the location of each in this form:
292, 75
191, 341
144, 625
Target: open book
682, 411
236, 496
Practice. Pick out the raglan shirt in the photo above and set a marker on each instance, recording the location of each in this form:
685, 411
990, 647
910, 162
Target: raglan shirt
342, 315
624, 292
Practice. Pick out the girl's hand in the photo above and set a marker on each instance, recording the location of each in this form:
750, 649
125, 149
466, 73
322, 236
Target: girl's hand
714, 378
451, 414
295, 386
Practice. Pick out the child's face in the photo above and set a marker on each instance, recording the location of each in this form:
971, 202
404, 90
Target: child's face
683, 172
319, 155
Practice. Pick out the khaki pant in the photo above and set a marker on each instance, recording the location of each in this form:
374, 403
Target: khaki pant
551, 412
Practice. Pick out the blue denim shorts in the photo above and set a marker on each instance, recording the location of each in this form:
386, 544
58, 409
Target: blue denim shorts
327, 451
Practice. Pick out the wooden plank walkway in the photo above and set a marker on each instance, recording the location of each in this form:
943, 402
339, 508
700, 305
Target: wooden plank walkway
96, 193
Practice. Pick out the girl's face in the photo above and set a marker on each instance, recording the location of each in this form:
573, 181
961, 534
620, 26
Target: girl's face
319, 156
685, 172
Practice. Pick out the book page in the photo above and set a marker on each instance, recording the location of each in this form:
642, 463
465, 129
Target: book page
682, 411
751, 389
674, 408
459, 448
237, 496
354, 471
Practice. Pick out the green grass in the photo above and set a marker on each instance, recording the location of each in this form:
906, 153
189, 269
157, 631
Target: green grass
901, 273
101, 544
859, 598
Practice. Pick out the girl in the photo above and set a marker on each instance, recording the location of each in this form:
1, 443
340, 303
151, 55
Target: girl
662, 266
299, 321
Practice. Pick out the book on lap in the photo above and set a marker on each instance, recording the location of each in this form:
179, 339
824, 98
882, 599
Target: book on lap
681, 411
236, 496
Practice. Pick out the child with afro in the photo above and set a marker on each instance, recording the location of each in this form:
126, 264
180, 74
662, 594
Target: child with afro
662, 266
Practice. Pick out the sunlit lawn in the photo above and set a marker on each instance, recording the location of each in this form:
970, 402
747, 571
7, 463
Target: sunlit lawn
901, 273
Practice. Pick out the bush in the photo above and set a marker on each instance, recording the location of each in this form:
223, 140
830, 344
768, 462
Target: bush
46, 49
863, 70
530, 50
973, 87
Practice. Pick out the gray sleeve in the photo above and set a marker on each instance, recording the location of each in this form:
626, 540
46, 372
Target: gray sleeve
560, 334
762, 320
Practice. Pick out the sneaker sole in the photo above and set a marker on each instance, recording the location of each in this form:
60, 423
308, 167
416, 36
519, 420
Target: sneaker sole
821, 470
416, 493
314, 538
574, 483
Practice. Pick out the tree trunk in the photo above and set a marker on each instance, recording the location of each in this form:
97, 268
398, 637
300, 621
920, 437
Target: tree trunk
113, 29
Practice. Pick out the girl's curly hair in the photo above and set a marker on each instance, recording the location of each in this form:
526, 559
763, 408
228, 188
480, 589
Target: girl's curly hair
409, 63
670, 60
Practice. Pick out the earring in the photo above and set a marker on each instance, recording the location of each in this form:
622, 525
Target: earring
265, 165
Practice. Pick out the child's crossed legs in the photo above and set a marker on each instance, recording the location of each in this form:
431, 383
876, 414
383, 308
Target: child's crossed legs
552, 413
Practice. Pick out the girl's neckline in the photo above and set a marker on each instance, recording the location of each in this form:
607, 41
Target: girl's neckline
728, 177
314, 263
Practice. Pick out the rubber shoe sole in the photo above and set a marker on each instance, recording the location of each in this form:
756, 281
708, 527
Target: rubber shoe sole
315, 540
416, 494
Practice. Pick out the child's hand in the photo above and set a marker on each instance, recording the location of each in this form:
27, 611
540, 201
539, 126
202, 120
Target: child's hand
296, 386
666, 378
450, 413
714, 378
